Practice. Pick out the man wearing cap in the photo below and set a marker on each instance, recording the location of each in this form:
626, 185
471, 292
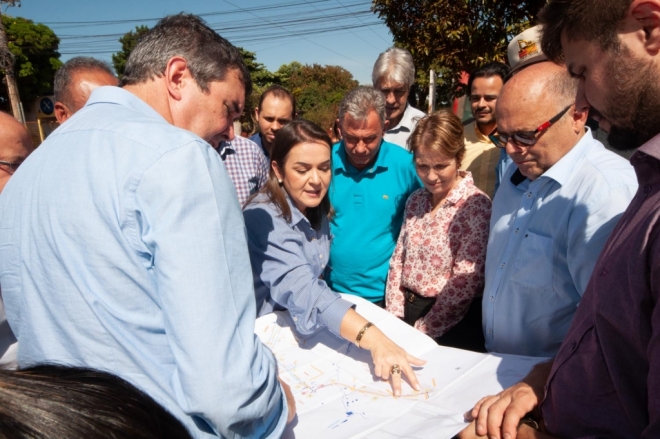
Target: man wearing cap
394, 75
482, 159
556, 206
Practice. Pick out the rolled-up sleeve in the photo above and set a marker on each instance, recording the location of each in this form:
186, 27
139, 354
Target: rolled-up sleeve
279, 263
188, 219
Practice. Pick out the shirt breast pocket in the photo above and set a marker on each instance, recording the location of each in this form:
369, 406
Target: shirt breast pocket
533, 264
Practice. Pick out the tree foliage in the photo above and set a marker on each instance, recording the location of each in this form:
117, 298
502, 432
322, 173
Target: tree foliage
128, 43
35, 48
319, 90
455, 36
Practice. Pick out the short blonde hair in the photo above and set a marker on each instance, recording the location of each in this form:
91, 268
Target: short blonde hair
441, 132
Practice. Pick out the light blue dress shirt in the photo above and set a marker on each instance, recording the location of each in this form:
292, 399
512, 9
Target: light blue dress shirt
123, 248
545, 237
288, 257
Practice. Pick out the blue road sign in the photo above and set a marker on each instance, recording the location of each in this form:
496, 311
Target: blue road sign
46, 106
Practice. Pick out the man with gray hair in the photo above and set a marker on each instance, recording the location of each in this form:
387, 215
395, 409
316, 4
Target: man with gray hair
371, 181
74, 82
394, 75
123, 245
555, 208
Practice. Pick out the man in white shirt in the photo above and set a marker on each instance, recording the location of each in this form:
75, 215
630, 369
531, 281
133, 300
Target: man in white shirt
393, 75
15, 146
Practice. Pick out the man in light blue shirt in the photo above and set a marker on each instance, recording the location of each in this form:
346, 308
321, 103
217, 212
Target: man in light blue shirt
122, 244
553, 212
371, 181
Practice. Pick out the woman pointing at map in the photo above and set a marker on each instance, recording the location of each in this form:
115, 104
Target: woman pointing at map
289, 241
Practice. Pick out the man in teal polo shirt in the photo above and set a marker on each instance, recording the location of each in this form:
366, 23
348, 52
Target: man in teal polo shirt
371, 181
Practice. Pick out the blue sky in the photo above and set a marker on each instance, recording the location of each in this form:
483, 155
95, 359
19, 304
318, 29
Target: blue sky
334, 32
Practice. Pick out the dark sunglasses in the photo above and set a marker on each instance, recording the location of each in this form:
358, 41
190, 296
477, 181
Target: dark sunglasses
525, 138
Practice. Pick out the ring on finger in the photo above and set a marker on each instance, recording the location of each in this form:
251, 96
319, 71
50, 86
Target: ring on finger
395, 370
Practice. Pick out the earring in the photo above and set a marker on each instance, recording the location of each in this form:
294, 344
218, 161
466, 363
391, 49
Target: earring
279, 181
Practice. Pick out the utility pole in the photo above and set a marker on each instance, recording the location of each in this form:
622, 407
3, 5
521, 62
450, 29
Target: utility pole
7, 64
432, 78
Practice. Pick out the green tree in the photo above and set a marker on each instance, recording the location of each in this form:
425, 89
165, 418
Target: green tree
455, 36
35, 49
128, 43
319, 90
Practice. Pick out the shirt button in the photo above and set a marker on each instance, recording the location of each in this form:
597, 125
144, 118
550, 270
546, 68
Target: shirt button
573, 345
295, 319
503, 264
647, 188
492, 298
490, 332
529, 195
516, 231
321, 256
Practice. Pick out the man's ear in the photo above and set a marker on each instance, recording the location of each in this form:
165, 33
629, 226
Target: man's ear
61, 112
580, 116
177, 77
647, 14
341, 131
386, 126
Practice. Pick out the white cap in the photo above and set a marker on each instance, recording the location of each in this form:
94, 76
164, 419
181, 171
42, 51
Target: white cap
525, 49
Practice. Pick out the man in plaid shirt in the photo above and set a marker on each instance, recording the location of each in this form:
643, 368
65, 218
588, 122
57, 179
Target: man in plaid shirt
246, 164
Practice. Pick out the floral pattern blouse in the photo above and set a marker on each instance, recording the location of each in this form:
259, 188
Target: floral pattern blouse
441, 254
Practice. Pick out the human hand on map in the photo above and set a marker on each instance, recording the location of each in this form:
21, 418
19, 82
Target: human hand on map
385, 353
290, 400
499, 415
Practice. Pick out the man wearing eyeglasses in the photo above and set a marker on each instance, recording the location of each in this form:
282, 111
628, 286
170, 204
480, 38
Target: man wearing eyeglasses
15, 146
556, 206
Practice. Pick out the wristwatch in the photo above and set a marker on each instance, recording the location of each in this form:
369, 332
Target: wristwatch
529, 422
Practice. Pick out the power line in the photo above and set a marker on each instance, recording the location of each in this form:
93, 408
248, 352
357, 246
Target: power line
308, 40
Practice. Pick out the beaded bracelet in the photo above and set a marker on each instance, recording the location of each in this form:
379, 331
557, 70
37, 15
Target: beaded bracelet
361, 333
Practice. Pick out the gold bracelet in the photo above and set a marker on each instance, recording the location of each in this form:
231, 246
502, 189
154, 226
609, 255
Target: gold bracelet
361, 333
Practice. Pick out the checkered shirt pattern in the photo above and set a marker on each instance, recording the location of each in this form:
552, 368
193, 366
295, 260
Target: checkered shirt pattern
246, 164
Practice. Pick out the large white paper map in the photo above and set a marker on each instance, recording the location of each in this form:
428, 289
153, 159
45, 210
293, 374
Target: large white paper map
337, 395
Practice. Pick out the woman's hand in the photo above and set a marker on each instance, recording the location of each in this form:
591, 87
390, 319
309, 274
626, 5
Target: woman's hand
385, 354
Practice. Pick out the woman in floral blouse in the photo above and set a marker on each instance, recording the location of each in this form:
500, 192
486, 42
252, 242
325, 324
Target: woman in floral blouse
437, 269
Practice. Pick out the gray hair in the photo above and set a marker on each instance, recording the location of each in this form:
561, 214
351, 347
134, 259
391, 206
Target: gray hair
64, 75
360, 101
209, 56
562, 88
396, 65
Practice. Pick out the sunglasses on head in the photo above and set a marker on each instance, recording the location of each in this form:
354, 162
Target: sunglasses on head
525, 138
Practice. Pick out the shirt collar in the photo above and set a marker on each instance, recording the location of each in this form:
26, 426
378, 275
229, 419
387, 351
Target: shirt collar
256, 138
459, 191
343, 165
480, 136
117, 95
405, 121
296, 215
225, 148
563, 169
652, 148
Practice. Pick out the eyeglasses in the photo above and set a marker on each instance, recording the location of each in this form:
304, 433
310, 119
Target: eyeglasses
10, 167
525, 139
